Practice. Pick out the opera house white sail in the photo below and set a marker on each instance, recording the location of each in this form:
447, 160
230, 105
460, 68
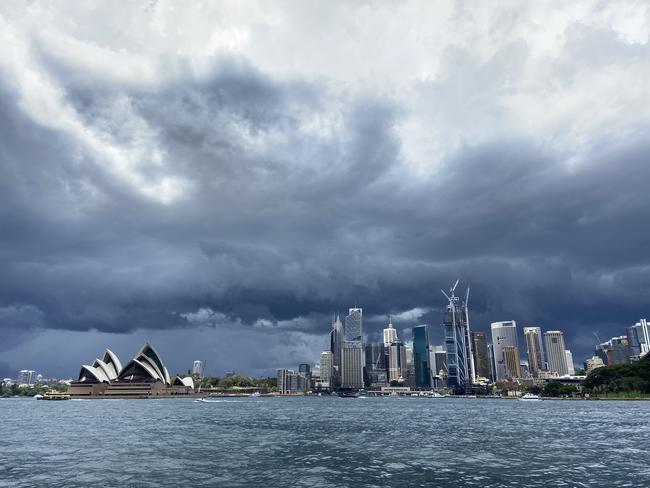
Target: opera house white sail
144, 376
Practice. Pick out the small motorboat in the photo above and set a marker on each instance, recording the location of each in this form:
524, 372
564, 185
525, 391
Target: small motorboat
530, 397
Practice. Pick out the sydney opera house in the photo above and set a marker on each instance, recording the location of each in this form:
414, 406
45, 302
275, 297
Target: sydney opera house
144, 376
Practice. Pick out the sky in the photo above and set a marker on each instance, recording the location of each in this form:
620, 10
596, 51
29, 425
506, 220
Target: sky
219, 178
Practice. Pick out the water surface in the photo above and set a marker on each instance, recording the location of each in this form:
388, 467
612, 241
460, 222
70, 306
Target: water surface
324, 442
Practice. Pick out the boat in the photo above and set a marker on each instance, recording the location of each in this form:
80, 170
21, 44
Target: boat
348, 394
255, 394
53, 395
530, 397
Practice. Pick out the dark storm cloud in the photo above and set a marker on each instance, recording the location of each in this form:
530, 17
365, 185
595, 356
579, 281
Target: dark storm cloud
297, 201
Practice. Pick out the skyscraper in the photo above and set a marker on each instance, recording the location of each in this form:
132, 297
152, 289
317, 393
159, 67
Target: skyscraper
569, 362
352, 355
614, 351
638, 338
481, 355
534, 350
390, 334
397, 365
376, 364
511, 362
438, 365
336, 348
504, 334
458, 344
326, 360
555, 352
421, 356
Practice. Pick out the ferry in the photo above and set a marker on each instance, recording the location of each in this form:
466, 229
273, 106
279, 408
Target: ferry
53, 395
530, 397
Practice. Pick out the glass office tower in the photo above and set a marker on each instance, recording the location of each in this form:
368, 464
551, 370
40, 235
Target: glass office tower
421, 356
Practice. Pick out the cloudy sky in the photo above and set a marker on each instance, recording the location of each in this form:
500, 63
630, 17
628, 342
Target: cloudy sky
220, 177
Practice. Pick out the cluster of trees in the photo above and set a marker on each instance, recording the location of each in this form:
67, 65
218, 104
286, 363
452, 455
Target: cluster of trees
237, 381
620, 378
15, 390
554, 389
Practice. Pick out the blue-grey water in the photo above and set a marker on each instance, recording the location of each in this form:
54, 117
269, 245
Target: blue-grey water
324, 442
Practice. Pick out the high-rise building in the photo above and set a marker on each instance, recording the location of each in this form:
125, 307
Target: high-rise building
376, 364
352, 368
555, 352
421, 356
481, 355
638, 339
326, 360
336, 348
534, 350
397, 364
390, 334
614, 351
458, 344
504, 334
511, 362
569, 362
287, 381
353, 328
197, 368
438, 365
352, 361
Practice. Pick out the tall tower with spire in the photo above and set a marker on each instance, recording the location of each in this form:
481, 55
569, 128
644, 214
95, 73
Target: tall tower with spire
390, 334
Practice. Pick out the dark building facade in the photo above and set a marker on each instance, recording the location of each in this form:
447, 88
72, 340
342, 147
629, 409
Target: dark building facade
421, 356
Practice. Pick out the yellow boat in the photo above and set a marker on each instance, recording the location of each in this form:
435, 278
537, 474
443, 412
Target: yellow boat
54, 395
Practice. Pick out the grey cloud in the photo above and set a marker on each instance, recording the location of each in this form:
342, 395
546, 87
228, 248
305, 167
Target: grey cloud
300, 203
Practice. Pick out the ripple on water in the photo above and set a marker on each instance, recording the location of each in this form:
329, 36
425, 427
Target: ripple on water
324, 442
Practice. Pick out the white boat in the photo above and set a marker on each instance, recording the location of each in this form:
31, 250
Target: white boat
530, 397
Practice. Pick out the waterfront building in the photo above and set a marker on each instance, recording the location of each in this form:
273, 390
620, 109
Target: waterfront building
397, 363
421, 356
197, 368
555, 352
326, 365
593, 363
287, 381
614, 351
390, 333
534, 350
458, 344
504, 334
481, 355
638, 339
571, 370
376, 364
511, 362
144, 376
336, 348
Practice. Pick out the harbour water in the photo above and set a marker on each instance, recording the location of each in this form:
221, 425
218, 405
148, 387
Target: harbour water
324, 442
